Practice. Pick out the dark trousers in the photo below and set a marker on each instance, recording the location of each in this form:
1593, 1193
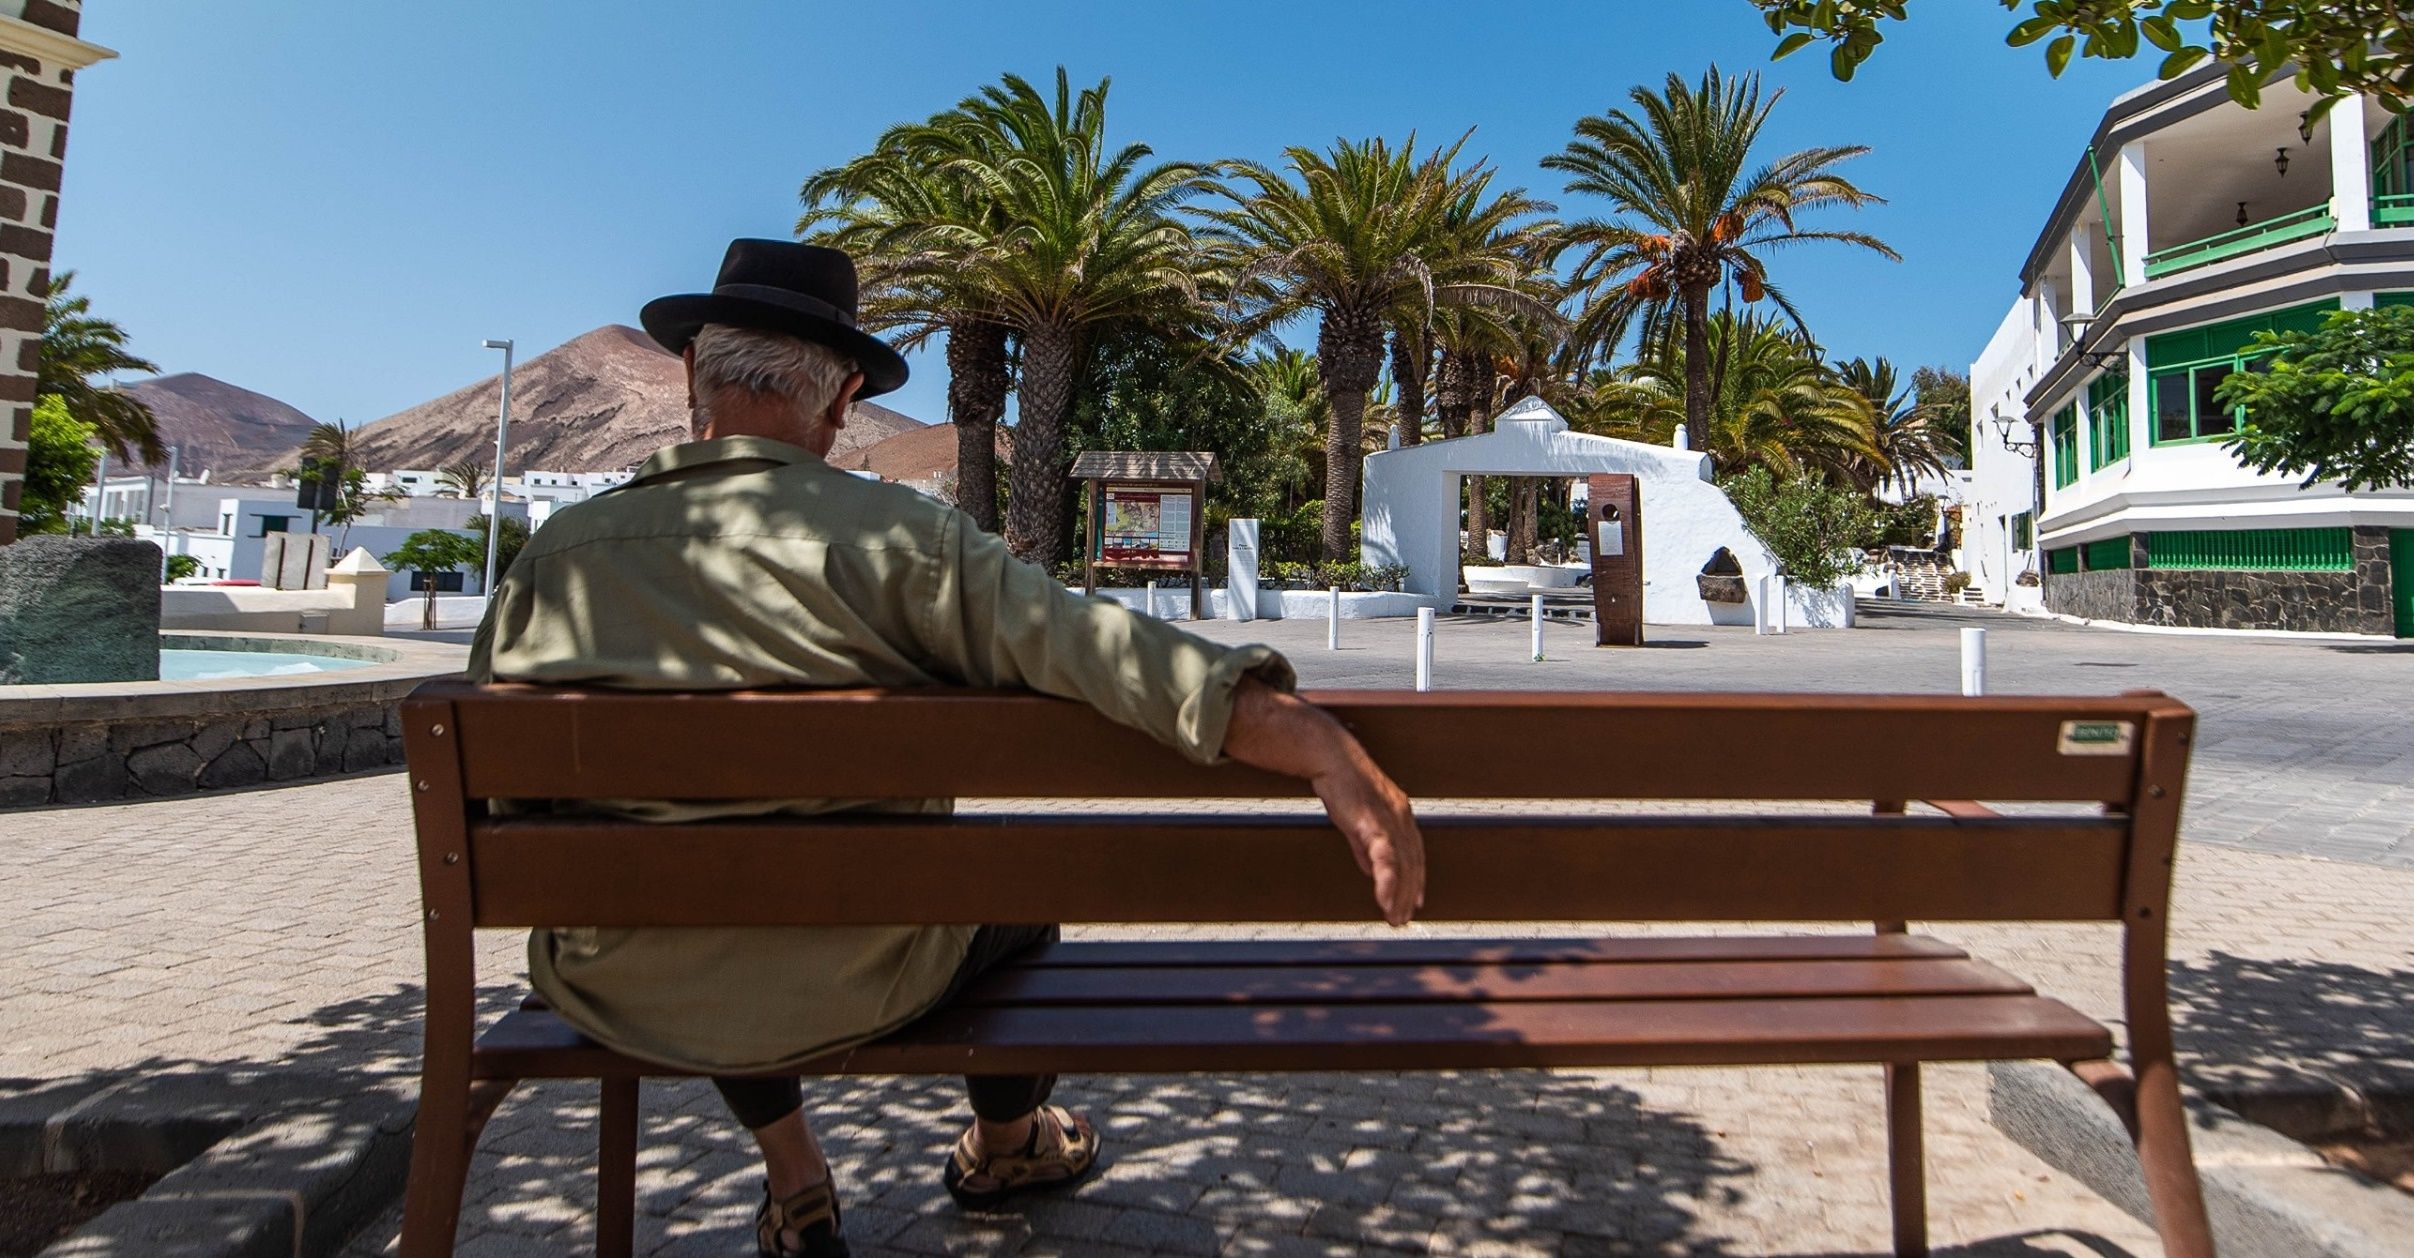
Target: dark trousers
759, 1101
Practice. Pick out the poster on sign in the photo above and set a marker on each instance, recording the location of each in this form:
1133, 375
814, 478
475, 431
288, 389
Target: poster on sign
1146, 526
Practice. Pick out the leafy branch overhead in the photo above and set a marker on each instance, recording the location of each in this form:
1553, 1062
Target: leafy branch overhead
2332, 48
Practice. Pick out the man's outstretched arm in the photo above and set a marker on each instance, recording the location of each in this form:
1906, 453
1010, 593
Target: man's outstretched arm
1280, 732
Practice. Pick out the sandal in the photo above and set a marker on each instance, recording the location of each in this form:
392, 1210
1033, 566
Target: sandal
1063, 1150
811, 1214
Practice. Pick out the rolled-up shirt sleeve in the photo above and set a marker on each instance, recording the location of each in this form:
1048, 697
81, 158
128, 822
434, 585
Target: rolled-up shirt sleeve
997, 621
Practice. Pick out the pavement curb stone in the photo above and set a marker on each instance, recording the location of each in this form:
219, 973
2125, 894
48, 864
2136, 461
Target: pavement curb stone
2267, 1195
256, 1166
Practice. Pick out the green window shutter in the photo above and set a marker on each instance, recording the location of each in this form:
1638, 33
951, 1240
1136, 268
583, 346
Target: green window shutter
2024, 531
2066, 446
2107, 421
2252, 550
2105, 553
2393, 299
2062, 562
2224, 340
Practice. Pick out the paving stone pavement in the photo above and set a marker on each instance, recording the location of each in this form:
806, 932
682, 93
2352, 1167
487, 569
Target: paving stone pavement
280, 926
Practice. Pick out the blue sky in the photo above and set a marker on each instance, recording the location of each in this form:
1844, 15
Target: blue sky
334, 203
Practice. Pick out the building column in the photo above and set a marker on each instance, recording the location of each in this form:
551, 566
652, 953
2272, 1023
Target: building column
2350, 166
2141, 420
39, 55
2049, 328
2082, 269
2129, 176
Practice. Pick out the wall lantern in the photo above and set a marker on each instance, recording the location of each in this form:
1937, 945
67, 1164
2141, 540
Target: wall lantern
2076, 325
2003, 430
2242, 213
2281, 162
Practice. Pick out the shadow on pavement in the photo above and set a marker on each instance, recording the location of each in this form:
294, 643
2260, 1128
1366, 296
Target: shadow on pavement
2261, 1026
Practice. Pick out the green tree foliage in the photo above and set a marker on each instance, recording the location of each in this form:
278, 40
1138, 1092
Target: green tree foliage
59, 462
1911, 440
1810, 525
1358, 235
465, 478
2334, 48
2333, 404
1772, 405
436, 550
80, 352
1944, 394
182, 566
514, 535
1693, 215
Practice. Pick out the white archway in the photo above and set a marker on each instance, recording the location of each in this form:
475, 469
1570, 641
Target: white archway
1412, 508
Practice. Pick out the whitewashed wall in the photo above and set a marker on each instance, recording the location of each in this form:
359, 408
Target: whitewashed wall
1412, 508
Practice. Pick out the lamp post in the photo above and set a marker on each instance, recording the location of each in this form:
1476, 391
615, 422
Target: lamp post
494, 500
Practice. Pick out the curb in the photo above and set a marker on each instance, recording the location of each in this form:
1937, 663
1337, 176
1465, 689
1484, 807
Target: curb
254, 1165
2267, 1195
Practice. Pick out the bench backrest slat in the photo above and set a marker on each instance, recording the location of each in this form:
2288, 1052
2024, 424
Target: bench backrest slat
1258, 869
526, 742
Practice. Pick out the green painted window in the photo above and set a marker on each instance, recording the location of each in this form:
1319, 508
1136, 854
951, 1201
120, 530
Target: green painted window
2188, 366
2107, 421
2024, 531
2393, 299
2065, 434
2253, 550
2063, 562
2392, 176
2103, 553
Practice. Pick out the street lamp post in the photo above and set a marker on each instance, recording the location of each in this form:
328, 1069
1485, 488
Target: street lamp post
494, 508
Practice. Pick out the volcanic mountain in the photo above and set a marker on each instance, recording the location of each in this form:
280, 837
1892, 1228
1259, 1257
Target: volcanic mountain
220, 428
600, 402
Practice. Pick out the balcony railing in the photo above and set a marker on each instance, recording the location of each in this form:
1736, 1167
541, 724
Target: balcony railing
2393, 210
2252, 238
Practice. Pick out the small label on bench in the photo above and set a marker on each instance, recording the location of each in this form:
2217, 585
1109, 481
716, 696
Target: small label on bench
2095, 738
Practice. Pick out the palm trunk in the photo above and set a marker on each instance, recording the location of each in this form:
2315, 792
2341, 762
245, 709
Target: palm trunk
1697, 370
1450, 394
1480, 383
1349, 358
1523, 524
1035, 508
976, 400
1408, 355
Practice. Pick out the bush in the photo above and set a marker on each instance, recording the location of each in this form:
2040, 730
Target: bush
182, 566
1812, 527
1911, 523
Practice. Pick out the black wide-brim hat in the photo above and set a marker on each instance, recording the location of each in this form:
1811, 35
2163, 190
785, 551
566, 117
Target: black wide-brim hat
805, 291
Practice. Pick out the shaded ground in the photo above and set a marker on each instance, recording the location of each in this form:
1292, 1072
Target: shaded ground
38, 1209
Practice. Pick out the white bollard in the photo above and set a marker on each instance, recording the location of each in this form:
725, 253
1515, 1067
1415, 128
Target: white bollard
1536, 612
1152, 600
1332, 618
1778, 613
1973, 661
1760, 609
1424, 648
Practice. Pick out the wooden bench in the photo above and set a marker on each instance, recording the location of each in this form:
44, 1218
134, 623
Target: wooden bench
1399, 1002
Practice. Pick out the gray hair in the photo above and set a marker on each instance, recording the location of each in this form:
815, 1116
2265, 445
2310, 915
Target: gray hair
762, 363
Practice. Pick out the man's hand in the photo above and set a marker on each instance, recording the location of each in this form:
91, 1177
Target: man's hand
1283, 733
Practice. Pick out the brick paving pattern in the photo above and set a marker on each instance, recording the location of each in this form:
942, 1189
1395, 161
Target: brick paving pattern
280, 926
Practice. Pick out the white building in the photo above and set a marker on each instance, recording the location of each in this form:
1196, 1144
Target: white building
2188, 224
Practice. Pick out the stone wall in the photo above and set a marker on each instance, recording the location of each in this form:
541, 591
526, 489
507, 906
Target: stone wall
39, 56
2106, 595
2306, 602
91, 761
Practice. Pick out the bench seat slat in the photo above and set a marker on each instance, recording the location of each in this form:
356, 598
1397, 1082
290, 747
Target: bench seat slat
604, 872
1427, 950
1176, 1039
1369, 984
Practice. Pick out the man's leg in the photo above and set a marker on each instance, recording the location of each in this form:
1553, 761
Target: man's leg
1007, 1122
794, 1171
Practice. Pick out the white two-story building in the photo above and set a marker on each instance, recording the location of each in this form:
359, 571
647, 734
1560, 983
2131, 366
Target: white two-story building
2189, 224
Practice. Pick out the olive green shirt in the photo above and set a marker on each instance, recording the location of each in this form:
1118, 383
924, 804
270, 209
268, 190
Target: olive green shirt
742, 562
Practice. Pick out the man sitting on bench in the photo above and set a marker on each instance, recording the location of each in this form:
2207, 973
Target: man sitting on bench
741, 559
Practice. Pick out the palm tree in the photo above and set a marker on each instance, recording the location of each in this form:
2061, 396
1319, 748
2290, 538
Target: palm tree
883, 208
1693, 215
1359, 235
1084, 237
77, 346
1287, 384
1909, 437
1777, 406
465, 479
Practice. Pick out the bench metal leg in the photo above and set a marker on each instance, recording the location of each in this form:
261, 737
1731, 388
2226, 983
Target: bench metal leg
616, 1170
1906, 1160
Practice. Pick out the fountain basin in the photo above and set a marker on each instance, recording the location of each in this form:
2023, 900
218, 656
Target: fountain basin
85, 742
